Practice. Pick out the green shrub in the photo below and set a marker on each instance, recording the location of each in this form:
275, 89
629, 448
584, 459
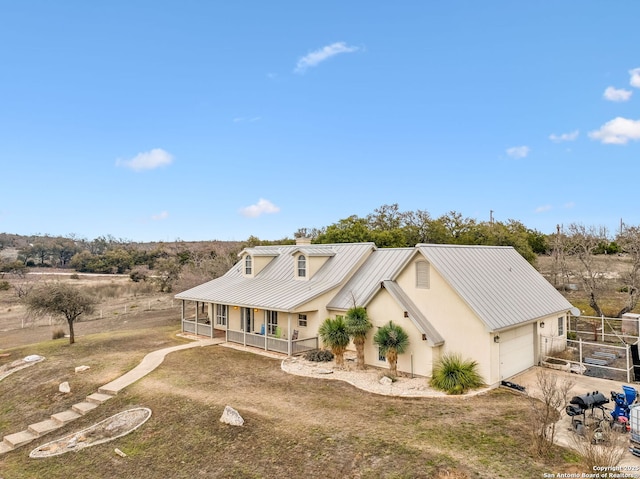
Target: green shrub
572, 335
319, 355
57, 333
455, 375
5, 286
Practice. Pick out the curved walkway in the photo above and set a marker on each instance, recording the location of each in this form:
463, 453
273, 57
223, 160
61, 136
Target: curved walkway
150, 362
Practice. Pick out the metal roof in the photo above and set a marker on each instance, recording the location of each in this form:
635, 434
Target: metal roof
382, 264
314, 250
415, 315
275, 287
496, 282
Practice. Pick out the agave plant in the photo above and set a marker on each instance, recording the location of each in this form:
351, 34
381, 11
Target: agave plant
455, 375
392, 340
333, 333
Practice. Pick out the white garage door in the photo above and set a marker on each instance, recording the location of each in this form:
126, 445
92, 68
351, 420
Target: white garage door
516, 350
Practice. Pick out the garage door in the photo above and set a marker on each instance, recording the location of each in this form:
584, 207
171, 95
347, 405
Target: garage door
516, 350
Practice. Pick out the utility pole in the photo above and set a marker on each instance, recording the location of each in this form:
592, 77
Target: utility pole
491, 217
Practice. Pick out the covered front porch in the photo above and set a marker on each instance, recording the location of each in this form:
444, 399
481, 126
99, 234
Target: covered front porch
253, 327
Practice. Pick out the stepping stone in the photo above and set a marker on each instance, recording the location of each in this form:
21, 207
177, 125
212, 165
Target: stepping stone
99, 398
43, 427
83, 407
110, 389
19, 438
65, 416
4, 447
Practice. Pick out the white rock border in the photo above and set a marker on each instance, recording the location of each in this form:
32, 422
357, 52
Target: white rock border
39, 452
19, 364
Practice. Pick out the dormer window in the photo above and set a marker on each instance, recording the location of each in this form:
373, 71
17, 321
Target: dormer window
302, 266
248, 265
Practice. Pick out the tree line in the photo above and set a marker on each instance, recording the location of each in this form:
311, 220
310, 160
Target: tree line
577, 251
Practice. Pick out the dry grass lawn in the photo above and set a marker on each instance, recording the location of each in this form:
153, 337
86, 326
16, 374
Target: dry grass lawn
295, 427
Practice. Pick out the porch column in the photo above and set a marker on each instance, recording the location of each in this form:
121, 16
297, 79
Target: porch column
196, 318
226, 329
289, 343
266, 332
182, 310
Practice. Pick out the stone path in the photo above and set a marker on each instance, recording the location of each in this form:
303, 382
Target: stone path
150, 362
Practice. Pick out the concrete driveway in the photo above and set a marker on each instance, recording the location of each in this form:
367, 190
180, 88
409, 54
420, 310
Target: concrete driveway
583, 385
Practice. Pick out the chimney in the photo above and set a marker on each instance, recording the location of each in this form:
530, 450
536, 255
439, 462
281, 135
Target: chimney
303, 240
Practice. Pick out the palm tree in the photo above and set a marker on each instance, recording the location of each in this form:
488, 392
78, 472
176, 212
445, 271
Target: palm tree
358, 325
392, 340
333, 333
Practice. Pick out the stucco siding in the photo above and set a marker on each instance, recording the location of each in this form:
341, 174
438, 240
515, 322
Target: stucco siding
383, 309
463, 331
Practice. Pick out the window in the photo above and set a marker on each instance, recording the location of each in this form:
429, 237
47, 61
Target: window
272, 322
302, 266
422, 275
381, 357
246, 320
561, 326
221, 314
247, 265
302, 320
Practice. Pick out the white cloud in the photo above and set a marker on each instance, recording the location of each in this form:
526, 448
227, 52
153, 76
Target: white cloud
261, 207
635, 77
564, 136
618, 95
160, 216
148, 160
518, 151
543, 208
314, 58
617, 131
569, 205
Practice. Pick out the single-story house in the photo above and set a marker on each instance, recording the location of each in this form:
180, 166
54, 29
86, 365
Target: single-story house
486, 303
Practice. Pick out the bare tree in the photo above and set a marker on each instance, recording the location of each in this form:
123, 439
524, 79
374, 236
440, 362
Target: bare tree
629, 241
582, 243
60, 299
545, 409
600, 446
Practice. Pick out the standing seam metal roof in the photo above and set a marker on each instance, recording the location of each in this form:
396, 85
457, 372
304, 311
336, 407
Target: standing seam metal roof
415, 315
382, 264
496, 282
275, 287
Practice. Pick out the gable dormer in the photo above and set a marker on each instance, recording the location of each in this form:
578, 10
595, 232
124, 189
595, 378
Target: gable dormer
254, 260
308, 259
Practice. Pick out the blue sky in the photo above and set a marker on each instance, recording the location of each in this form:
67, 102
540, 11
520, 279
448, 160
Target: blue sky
158, 120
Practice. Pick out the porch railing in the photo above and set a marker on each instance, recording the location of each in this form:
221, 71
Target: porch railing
279, 345
196, 327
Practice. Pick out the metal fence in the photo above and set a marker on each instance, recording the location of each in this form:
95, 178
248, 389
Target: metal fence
596, 346
603, 329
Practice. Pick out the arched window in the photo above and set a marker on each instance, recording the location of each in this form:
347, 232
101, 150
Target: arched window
422, 274
302, 266
247, 265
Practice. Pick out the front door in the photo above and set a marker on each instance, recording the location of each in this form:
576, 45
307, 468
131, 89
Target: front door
247, 320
